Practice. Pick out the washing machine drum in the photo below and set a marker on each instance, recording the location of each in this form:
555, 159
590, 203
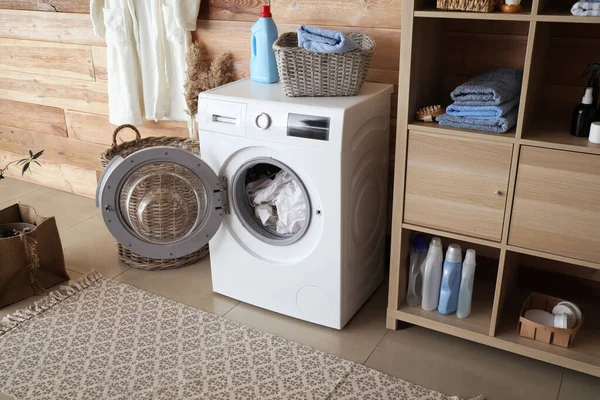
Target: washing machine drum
161, 202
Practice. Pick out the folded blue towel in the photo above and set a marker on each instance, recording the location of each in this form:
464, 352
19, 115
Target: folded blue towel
499, 125
589, 8
324, 41
490, 88
482, 112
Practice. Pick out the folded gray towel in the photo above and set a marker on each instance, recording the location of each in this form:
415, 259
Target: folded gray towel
499, 125
490, 88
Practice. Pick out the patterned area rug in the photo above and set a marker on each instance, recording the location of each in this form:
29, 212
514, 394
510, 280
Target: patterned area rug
100, 339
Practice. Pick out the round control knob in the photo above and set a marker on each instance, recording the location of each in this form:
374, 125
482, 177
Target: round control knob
263, 121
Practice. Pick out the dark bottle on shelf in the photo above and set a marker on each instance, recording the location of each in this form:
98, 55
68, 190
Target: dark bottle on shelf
583, 115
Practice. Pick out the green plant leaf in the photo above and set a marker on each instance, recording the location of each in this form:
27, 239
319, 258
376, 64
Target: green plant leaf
37, 163
30, 153
22, 161
25, 168
38, 154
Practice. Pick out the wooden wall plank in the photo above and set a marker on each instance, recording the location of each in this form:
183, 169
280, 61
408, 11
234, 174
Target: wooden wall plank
56, 149
96, 128
33, 117
58, 176
99, 60
382, 76
221, 36
57, 92
48, 27
47, 58
373, 13
71, 6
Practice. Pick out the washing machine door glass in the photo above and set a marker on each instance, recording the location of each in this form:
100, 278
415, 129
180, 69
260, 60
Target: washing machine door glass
161, 202
271, 201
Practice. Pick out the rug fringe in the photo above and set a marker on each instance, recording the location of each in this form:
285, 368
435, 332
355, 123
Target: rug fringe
15, 319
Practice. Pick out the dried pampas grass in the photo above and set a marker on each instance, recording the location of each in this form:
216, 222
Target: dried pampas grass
203, 75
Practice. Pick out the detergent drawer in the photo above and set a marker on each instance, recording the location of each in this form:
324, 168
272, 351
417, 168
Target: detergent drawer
224, 117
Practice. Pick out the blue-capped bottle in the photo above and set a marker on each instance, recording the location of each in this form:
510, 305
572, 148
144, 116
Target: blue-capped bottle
263, 67
451, 280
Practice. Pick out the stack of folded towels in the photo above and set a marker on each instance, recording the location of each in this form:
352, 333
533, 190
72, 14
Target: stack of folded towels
489, 102
586, 8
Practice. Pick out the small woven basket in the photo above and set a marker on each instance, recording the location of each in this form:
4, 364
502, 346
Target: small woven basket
467, 5
161, 221
305, 73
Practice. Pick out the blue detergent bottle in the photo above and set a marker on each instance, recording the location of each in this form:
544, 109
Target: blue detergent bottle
451, 280
263, 67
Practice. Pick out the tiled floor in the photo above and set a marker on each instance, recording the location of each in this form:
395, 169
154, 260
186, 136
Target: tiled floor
432, 359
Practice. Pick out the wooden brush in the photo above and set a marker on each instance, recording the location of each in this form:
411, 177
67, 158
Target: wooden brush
429, 113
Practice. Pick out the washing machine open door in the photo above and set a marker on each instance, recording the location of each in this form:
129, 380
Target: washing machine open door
161, 202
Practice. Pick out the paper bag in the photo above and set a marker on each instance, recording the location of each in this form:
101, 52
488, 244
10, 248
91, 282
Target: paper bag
30, 262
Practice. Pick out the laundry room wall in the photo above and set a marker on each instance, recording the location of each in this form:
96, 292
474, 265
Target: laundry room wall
53, 82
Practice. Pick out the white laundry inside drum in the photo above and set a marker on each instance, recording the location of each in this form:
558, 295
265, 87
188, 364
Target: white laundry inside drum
278, 201
271, 201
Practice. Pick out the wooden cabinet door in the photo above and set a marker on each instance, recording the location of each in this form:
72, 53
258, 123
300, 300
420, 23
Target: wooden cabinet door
457, 184
557, 203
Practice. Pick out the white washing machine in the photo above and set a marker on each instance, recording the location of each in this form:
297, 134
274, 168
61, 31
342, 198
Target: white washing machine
334, 153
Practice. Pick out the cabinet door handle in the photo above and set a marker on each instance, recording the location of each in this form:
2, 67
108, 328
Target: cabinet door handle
497, 193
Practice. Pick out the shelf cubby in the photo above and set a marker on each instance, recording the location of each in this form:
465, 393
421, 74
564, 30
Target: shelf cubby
454, 51
560, 11
479, 322
554, 7
571, 282
427, 9
555, 87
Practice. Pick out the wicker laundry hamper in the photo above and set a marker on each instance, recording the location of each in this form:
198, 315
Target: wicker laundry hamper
162, 221
467, 5
306, 73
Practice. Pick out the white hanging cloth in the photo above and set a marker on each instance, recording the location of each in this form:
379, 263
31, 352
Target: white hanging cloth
146, 44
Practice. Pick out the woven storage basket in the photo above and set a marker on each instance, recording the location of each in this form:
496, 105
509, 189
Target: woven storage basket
162, 221
305, 73
467, 5
557, 336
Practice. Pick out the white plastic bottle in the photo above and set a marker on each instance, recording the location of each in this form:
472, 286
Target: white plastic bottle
466, 285
432, 275
415, 277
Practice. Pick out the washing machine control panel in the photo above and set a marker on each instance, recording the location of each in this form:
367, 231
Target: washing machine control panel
293, 125
308, 126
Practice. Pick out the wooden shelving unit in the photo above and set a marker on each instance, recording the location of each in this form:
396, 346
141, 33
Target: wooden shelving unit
527, 200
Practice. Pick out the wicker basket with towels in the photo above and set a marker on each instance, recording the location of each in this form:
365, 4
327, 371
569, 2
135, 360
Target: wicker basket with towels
305, 73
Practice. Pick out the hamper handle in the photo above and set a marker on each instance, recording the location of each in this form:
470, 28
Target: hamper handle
137, 133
